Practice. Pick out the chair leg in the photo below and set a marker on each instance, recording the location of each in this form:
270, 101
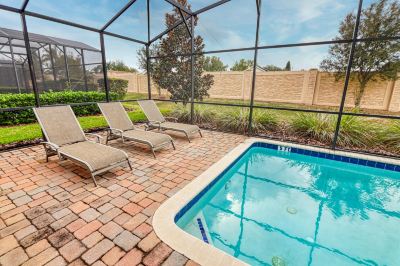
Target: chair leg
201, 135
187, 137
47, 151
129, 164
94, 179
173, 144
154, 154
108, 135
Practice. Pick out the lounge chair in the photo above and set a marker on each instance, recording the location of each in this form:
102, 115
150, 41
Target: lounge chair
65, 138
122, 127
157, 120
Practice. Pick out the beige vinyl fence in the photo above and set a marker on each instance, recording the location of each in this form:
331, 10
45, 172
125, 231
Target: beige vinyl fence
298, 87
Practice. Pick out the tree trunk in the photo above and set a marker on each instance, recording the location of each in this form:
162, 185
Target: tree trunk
358, 94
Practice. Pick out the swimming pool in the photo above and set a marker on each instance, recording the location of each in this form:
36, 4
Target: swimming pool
285, 204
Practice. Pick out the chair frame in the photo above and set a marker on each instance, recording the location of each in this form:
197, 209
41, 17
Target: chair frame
115, 133
52, 149
150, 124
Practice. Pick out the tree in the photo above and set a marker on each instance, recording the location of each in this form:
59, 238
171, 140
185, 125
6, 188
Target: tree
214, 63
59, 62
57, 59
173, 73
271, 68
119, 65
372, 60
288, 66
242, 65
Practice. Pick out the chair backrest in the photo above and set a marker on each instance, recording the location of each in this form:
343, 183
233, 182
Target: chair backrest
116, 116
59, 124
151, 111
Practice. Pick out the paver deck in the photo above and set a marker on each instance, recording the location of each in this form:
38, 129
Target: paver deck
52, 214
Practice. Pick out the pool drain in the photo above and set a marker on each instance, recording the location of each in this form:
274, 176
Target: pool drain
278, 261
291, 210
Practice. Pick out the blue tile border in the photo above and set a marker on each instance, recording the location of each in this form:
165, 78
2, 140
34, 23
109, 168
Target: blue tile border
340, 158
288, 149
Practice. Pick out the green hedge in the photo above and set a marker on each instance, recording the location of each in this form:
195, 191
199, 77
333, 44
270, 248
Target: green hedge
48, 98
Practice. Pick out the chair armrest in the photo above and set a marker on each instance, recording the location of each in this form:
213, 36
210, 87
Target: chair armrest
140, 129
153, 123
117, 130
51, 145
172, 118
98, 137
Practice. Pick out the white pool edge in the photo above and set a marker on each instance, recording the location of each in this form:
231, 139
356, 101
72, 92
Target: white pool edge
195, 249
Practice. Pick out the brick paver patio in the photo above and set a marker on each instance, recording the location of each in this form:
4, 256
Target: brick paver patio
51, 213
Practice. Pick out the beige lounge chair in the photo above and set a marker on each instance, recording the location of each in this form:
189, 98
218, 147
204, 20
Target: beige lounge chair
122, 127
157, 120
65, 138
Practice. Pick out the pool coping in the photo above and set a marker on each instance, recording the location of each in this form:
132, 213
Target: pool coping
195, 249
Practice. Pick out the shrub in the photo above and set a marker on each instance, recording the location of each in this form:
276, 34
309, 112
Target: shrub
48, 98
264, 120
353, 130
237, 119
202, 114
317, 126
117, 86
390, 136
182, 113
230, 119
233, 119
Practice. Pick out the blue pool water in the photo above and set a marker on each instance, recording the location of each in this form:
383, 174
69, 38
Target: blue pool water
283, 208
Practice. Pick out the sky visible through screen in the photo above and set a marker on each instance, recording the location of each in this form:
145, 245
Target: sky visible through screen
231, 25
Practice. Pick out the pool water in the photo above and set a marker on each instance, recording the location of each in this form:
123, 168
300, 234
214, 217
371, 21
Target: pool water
279, 208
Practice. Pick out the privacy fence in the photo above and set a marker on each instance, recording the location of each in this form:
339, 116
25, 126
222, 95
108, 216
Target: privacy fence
310, 87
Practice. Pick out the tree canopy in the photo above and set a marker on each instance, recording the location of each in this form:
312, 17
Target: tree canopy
271, 68
214, 63
288, 66
173, 73
372, 60
242, 65
57, 57
276, 68
119, 65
